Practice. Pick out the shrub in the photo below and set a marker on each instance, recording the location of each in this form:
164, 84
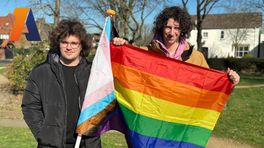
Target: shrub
22, 64
248, 56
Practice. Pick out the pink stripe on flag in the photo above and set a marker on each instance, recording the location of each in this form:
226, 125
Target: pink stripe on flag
97, 95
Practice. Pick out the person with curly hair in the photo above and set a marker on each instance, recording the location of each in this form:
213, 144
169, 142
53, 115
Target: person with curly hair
55, 89
171, 28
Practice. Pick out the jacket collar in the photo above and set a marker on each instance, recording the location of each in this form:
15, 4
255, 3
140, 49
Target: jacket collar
155, 46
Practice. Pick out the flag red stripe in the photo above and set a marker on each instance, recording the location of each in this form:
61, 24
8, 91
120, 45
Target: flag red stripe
179, 71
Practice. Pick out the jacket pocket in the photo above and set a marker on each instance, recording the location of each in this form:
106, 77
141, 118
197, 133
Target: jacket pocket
50, 136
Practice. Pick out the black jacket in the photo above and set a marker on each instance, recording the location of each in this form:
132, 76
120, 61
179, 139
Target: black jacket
44, 103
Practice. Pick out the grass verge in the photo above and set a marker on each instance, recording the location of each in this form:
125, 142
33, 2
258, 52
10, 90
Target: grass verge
243, 118
16, 138
2, 70
251, 79
22, 138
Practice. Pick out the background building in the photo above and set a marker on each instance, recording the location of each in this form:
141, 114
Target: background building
231, 35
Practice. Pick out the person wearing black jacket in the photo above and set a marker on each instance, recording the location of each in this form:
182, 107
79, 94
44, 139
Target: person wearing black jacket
55, 89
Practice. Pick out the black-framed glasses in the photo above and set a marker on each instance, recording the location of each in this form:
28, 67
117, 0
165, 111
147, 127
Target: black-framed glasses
72, 44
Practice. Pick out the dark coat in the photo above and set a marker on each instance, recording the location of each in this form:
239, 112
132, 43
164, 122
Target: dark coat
44, 103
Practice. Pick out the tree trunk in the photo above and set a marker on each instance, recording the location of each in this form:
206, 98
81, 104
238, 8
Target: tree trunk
57, 13
199, 36
199, 26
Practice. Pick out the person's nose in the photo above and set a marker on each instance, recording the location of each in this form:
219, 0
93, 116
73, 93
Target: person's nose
68, 46
173, 31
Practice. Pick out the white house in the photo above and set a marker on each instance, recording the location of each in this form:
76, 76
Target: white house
230, 35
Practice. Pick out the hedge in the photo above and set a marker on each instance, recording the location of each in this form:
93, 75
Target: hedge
243, 65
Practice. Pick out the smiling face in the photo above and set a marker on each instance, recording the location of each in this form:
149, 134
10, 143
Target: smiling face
70, 49
171, 32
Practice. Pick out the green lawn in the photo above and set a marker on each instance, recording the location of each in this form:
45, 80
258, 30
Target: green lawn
16, 138
243, 118
22, 138
251, 79
2, 70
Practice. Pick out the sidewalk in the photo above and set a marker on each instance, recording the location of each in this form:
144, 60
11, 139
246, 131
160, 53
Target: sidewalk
250, 86
3, 80
12, 123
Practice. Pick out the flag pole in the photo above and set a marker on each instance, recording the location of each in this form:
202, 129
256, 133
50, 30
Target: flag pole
79, 137
78, 141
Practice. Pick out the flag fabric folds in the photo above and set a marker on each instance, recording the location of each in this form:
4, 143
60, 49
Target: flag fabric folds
165, 102
99, 97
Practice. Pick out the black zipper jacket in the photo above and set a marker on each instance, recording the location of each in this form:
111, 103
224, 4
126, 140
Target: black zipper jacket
44, 103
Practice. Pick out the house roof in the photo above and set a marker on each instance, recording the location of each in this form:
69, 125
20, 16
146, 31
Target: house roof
232, 20
7, 22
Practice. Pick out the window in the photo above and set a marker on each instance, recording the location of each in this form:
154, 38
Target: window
205, 34
242, 50
4, 36
222, 35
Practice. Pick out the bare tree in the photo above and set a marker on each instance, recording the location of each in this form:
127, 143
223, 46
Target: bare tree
130, 15
146, 35
203, 7
237, 35
237, 6
48, 7
257, 3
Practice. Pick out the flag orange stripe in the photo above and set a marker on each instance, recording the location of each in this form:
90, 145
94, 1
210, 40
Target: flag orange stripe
168, 68
168, 90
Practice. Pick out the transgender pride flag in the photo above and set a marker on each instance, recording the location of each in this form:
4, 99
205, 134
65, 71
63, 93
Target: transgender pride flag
99, 98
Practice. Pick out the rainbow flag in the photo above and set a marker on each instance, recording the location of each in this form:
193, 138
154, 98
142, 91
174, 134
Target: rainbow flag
99, 99
165, 102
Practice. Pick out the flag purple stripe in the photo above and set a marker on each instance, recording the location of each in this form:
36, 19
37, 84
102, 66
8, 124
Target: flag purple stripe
137, 140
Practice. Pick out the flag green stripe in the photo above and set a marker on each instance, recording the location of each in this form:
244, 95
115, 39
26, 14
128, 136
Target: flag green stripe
165, 130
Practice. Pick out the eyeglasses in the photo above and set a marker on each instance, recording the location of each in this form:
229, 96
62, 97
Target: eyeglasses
72, 44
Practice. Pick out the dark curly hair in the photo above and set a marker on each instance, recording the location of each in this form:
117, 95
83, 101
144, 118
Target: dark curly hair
66, 28
178, 14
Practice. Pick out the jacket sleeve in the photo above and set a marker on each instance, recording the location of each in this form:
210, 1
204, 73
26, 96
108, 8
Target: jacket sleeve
32, 107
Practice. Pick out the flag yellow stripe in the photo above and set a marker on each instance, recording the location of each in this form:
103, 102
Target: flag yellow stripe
167, 89
160, 109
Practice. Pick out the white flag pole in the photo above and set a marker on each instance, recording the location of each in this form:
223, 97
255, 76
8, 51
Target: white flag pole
78, 141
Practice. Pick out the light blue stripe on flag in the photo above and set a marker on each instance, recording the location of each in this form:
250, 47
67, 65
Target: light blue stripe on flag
108, 28
96, 107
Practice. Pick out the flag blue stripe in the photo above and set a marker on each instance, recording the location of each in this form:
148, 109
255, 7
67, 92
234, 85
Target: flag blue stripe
108, 28
96, 107
137, 140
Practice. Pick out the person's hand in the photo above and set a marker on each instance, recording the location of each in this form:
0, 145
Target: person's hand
233, 76
119, 41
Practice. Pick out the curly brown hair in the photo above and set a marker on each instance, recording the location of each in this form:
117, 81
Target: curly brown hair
178, 14
66, 28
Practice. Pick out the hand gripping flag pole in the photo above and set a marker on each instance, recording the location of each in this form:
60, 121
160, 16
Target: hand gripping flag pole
99, 97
